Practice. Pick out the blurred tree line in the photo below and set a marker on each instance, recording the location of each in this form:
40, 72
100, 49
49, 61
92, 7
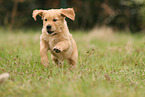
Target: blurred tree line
120, 14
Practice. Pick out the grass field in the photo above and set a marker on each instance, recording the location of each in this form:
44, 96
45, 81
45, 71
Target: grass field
109, 65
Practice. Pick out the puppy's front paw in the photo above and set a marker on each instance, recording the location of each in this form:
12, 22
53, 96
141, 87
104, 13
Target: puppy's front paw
57, 50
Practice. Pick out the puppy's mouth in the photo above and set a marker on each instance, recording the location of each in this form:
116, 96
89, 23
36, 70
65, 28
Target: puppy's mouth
50, 32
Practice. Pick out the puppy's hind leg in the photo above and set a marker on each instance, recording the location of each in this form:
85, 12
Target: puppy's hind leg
74, 58
72, 62
56, 61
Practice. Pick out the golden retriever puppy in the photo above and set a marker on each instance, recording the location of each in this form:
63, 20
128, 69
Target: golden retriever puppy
55, 36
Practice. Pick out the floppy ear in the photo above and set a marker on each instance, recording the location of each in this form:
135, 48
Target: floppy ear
69, 12
37, 12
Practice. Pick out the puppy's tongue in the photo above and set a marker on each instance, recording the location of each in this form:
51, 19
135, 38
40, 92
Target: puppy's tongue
53, 33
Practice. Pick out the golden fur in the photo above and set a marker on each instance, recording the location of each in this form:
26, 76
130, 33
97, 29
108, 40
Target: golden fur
55, 36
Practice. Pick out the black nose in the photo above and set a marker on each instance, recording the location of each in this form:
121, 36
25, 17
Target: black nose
48, 27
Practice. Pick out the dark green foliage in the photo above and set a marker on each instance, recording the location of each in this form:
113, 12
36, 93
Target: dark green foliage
128, 16
120, 14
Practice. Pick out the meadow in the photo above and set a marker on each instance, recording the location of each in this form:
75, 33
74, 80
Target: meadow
109, 65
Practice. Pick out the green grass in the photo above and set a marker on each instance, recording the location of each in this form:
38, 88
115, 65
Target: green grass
108, 66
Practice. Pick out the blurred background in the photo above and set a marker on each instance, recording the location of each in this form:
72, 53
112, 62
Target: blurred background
126, 15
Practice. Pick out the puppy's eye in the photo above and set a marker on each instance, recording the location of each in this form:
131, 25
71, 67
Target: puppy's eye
54, 20
45, 19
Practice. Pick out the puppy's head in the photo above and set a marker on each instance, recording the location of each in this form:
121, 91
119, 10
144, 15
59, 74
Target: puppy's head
54, 19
